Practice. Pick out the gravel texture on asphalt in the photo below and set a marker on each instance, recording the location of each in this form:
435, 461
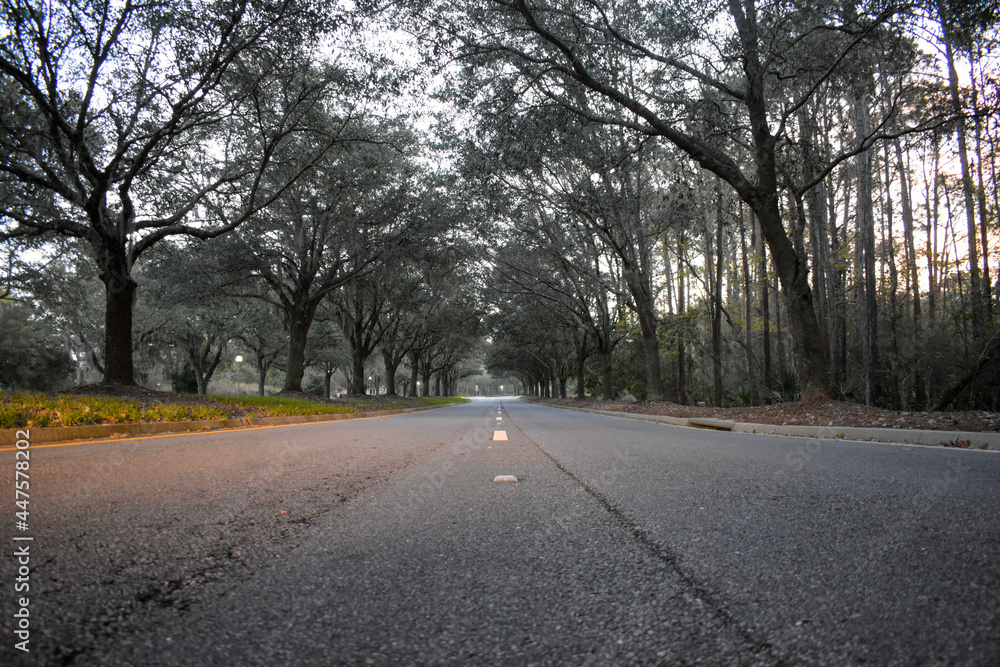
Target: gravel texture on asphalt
387, 542
127, 530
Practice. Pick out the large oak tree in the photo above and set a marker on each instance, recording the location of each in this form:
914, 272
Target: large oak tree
126, 123
710, 78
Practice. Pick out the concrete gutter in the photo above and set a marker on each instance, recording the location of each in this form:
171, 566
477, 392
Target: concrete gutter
975, 440
8, 437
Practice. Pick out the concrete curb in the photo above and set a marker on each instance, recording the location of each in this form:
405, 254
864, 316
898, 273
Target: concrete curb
976, 440
986, 440
8, 437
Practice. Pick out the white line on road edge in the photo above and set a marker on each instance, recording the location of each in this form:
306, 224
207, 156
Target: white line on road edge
499, 435
505, 478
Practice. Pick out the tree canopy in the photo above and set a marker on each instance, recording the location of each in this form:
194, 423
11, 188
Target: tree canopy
728, 202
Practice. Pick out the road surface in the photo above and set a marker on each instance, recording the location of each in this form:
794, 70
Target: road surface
386, 541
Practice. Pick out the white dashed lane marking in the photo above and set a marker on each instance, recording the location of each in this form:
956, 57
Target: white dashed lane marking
499, 435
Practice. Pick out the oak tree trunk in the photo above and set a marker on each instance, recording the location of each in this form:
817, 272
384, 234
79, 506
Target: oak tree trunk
792, 268
358, 384
298, 333
119, 289
390, 374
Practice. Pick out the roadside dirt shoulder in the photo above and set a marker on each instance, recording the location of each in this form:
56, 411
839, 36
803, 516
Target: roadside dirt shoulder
819, 413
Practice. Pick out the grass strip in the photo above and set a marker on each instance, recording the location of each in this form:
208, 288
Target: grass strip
37, 410
283, 406
21, 409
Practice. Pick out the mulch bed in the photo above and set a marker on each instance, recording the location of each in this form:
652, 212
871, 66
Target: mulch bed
819, 413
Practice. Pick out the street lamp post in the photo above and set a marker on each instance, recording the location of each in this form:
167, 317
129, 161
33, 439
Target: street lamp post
238, 360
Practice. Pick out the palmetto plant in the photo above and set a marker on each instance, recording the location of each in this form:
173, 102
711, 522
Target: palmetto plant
787, 389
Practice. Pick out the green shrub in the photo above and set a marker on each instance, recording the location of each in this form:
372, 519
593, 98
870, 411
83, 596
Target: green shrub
744, 395
788, 389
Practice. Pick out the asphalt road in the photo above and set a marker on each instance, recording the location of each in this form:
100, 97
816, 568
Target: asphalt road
386, 542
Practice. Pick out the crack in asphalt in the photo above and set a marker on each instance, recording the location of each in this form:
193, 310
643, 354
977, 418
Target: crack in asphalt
758, 647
